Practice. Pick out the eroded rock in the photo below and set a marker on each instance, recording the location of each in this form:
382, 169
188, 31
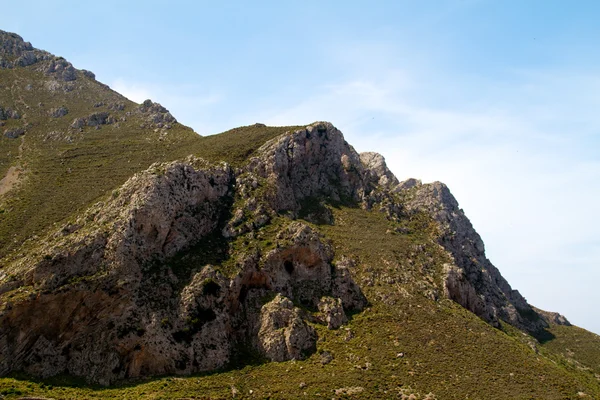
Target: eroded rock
471, 280
333, 312
283, 334
58, 112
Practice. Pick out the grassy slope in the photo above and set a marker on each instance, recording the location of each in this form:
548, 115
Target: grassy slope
447, 350
577, 346
62, 177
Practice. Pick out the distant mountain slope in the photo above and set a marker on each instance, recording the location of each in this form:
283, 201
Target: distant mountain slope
133, 248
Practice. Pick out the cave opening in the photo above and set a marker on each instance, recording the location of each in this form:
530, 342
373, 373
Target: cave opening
289, 266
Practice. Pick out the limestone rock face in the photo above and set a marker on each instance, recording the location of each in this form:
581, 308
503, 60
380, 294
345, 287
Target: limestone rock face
14, 51
471, 280
283, 334
60, 69
95, 275
156, 116
377, 169
311, 162
106, 303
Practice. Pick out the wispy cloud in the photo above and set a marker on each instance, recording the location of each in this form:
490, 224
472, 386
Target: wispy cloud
529, 186
189, 103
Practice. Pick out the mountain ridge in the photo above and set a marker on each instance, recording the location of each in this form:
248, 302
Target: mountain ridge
197, 265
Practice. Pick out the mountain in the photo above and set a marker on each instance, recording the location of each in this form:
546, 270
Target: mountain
261, 262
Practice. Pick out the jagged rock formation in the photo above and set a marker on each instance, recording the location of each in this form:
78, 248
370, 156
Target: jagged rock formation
15, 52
126, 313
156, 116
470, 279
153, 322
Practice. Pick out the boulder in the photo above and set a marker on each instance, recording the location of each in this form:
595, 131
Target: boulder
14, 133
58, 112
283, 334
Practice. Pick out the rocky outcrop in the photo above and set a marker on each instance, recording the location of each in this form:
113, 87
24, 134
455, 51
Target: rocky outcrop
88, 74
14, 132
471, 279
377, 169
155, 115
94, 120
317, 163
283, 334
332, 311
553, 318
126, 290
60, 69
8, 113
58, 112
15, 52
128, 310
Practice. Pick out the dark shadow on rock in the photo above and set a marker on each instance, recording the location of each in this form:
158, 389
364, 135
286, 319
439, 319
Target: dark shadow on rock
543, 336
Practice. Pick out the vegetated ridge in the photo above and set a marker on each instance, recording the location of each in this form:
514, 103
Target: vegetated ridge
133, 248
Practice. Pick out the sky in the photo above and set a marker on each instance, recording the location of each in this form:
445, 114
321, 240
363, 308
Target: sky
497, 99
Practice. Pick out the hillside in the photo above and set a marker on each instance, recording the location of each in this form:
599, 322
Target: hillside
140, 260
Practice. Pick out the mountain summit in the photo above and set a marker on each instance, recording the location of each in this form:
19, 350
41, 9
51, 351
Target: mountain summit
131, 247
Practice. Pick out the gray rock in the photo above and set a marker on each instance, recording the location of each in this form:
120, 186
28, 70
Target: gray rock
471, 280
88, 74
26, 59
15, 52
377, 169
333, 312
14, 133
283, 334
58, 112
155, 115
96, 119
61, 69
326, 357
78, 123
8, 113
553, 317
311, 162
408, 184
116, 106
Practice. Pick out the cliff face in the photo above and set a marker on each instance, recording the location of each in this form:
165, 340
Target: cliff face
135, 287
470, 279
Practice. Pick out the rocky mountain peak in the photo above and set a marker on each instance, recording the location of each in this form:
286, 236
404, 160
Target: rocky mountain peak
13, 45
15, 52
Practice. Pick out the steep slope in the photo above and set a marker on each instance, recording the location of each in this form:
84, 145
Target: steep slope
67, 139
259, 244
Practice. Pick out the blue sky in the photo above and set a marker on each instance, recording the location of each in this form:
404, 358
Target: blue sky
498, 99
